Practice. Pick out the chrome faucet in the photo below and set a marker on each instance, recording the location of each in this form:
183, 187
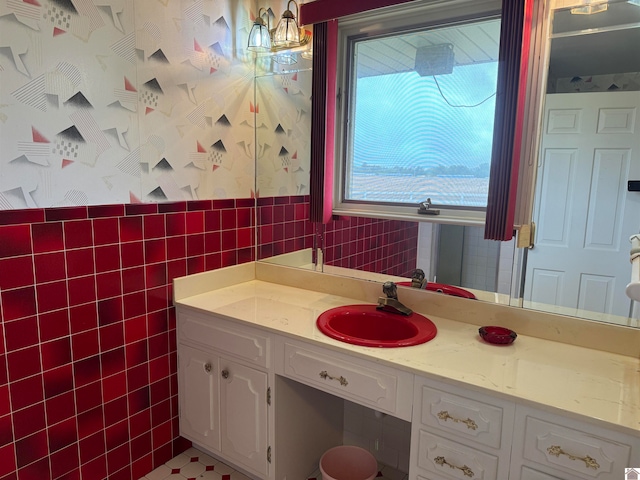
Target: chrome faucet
390, 302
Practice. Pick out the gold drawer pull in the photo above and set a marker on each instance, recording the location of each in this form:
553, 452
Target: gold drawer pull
444, 415
589, 462
341, 379
464, 469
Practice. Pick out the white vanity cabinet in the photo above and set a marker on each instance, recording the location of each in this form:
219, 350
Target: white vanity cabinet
223, 389
458, 433
550, 446
226, 369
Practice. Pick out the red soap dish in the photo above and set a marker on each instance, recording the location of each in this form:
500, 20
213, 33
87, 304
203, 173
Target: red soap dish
497, 335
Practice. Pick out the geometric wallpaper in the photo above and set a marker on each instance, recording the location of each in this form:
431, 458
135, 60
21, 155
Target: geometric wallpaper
123, 101
283, 133
612, 82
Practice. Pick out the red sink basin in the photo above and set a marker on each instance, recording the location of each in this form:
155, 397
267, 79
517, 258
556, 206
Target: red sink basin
365, 325
443, 288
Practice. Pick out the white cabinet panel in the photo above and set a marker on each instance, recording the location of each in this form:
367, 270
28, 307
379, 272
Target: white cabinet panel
212, 332
568, 449
243, 402
447, 459
529, 474
461, 416
198, 396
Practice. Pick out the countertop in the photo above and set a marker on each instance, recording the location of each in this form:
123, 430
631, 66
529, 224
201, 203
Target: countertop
579, 382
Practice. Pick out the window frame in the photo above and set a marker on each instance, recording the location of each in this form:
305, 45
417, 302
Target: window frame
428, 13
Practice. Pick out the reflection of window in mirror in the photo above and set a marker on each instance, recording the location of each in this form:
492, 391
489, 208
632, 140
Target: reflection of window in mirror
589, 149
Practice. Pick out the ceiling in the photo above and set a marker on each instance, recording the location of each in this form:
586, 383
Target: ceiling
581, 44
473, 43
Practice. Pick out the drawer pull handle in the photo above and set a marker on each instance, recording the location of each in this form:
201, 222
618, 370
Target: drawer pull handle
207, 367
589, 462
225, 373
343, 381
444, 415
464, 469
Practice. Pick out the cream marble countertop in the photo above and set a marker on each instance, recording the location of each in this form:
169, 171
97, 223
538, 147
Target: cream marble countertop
579, 382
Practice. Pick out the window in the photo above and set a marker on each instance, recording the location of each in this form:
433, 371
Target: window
418, 112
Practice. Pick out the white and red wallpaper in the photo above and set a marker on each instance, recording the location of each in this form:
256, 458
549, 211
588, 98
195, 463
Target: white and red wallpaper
116, 101
283, 133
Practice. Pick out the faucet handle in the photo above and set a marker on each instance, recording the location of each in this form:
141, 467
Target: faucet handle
390, 290
418, 279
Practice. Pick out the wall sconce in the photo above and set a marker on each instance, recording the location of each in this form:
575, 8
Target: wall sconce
589, 8
259, 36
287, 32
286, 35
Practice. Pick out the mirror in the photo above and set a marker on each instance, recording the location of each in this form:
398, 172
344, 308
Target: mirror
282, 105
605, 44
589, 149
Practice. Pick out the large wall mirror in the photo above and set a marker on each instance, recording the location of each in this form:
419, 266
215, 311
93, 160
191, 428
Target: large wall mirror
589, 148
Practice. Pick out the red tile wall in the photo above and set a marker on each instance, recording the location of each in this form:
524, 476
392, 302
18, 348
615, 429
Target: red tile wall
373, 245
283, 225
88, 386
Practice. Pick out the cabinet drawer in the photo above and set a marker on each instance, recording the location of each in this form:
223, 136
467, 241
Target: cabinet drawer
446, 459
461, 416
371, 385
212, 332
529, 474
574, 451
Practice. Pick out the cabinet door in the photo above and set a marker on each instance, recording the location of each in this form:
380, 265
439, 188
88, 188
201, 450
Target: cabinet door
243, 410
198, 396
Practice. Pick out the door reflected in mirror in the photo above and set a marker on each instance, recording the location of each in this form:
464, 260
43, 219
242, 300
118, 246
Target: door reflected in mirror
589, 149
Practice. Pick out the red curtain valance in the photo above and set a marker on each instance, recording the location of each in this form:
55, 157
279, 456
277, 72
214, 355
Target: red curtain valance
323, 10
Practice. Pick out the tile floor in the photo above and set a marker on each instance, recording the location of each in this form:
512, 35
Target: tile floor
193, 464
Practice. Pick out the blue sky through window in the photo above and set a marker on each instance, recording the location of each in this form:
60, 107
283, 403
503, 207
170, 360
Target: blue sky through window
406, 127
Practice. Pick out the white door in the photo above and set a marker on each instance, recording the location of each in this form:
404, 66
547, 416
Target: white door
243, 415
198, 396
584, 214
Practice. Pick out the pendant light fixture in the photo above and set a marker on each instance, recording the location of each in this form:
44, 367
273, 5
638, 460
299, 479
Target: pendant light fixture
286, 36
259, 36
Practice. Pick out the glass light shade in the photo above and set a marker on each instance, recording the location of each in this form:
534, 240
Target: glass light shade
285, 58
259, 38
287, 32
590, 8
